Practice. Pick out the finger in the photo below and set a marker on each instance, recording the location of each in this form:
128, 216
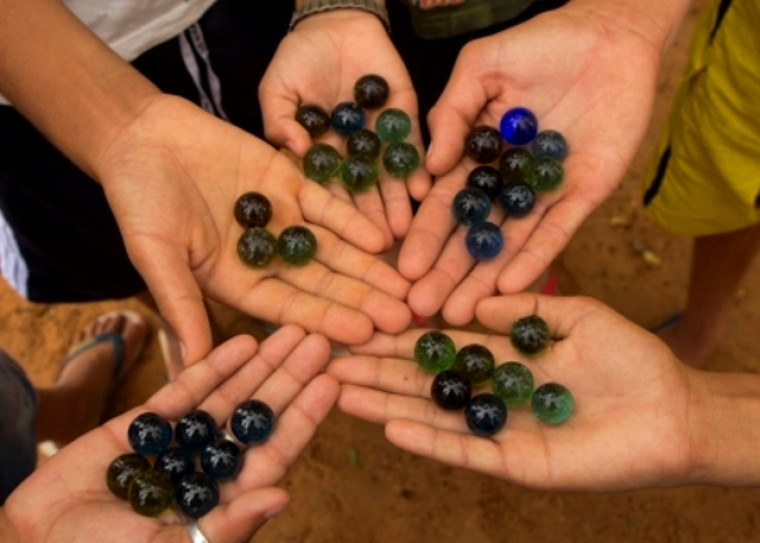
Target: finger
239, 519
550, 237
430, 229
276, 301
343, 258
266, 463
177, 296
280, 127
380, 407
398, 206
324, 209
371, 204
388, 313
387, 374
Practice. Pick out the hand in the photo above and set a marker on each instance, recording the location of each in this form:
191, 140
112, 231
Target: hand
172, 178
581, 73
319, 63
632, 420
66, 499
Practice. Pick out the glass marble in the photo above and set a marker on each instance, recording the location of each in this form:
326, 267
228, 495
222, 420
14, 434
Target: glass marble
547, 174
513, 383
358, 173
122, 470
196, 494
552, 403
253, 209
151, 493
518, 126
484, 240
470, 206
363, 143
517, 198
474, 362
486, 178
530, 335
221, 459
401, 159
434, 351
450, 390
515, 164
257, 247
297, 245
483, 144
321, 162
549, 143
347, 117
149, 433
314, 119
174, 461
371, 91
485, 414
393, 125
252, 421
195, 430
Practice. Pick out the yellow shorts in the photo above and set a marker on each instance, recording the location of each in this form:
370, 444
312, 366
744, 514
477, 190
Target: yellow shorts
705, 176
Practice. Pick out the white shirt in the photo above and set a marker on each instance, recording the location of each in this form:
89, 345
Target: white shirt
131, 27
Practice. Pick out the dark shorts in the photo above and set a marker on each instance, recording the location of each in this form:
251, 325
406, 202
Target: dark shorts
61, 222
18, 438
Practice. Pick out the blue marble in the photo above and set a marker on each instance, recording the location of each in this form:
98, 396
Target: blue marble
347, 118
517, 198
149, 433
518, 126
221, 459
485, 414
484, 241
195, 430
549, 143
252, 421
196, 494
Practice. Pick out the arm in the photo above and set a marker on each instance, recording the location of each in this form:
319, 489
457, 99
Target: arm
588, 70
172, 172
641, 419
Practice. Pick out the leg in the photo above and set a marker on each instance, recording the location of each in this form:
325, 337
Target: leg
75, 403
719, 263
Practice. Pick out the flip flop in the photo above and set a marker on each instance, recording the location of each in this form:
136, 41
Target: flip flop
670, 321
117, 343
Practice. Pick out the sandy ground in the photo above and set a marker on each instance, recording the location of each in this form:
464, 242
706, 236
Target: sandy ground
351, 486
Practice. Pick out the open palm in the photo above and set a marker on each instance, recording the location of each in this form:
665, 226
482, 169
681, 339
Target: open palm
172, 179
630, 427
582, 76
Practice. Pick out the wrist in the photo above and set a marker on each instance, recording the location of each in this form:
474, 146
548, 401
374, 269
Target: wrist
308, 8
723, 425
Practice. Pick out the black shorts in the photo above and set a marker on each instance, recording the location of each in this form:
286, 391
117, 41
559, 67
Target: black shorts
64, 230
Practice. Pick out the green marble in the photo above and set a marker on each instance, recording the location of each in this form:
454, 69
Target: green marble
297, 245
151, 493
358, 173
122, 470
401, 159
552, 403
321, 162
516, 164
393, 125
434, 351
363, 143
257, 247
475, 362
513, 383
547, 174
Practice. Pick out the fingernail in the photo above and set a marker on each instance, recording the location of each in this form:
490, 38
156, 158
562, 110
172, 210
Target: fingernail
274, 512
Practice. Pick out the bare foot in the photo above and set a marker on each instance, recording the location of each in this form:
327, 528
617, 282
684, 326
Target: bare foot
75, 403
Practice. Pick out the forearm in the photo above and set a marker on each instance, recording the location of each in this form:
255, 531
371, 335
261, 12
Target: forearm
65, 80
724, 421
657, 21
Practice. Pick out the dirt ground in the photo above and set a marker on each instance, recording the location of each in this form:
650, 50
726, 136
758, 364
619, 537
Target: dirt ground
351, 486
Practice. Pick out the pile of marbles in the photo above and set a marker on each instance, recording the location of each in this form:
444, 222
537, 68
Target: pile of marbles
459, 371
359, 170
163, 468
257, 246
530, 163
